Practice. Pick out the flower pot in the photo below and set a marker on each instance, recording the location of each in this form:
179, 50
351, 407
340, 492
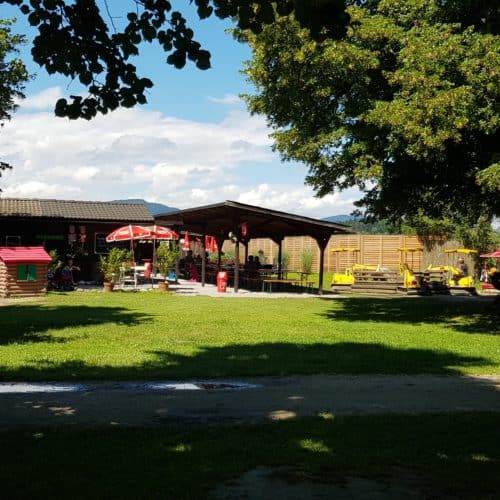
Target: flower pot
163, 286
108, 286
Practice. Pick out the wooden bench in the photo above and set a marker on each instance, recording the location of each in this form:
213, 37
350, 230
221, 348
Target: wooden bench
377, 282
275, 281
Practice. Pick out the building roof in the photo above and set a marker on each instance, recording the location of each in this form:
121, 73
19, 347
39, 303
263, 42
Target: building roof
230, 216
36, 255
74, 210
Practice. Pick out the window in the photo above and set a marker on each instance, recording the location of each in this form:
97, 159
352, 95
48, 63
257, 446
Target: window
100, 245
26, 272
12, 241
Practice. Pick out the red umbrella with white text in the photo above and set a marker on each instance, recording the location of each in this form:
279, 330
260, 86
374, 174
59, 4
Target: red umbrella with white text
127, 233
161, 233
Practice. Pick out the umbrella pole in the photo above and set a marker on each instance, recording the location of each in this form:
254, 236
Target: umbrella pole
154, 256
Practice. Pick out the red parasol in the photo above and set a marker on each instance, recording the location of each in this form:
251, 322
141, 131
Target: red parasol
211, 244
162, 233
185, 245
129, 232
494, 255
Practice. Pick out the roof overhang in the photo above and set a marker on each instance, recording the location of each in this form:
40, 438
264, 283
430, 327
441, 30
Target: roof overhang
230, 216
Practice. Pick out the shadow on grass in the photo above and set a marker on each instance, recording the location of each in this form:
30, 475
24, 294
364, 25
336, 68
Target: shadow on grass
257, 360
28, 323
427, 456
460, 314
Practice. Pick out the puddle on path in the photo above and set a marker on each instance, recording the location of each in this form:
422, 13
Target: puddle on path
179, 385
27, 387
198, 385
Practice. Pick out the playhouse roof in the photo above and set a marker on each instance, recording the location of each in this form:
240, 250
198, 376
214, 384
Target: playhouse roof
35, 255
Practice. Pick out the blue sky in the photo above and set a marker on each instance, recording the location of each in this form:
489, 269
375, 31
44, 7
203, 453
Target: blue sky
193, 143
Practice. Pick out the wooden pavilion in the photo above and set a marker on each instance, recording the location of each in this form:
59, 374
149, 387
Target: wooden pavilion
241, 223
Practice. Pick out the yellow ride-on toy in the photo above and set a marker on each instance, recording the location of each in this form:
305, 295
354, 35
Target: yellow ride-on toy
347, 277
451, 276
411, 279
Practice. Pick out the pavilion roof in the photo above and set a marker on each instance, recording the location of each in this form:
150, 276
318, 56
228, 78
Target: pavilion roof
231, 216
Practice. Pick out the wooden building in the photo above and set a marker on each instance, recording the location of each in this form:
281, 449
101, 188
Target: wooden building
71, 227
23, 271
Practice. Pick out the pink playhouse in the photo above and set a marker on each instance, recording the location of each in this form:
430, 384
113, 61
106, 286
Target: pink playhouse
23, 271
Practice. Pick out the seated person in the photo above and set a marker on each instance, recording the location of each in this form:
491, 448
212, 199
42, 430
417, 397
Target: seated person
463, 270
67, 282
249, 264
186, 264
193, 272
252, 266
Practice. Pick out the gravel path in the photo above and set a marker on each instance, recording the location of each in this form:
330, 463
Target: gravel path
271, 398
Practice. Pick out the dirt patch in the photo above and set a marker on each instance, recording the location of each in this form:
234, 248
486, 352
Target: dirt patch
17, 300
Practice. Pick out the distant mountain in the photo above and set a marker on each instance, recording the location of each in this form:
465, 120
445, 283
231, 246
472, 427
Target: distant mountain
341, 219
154, 208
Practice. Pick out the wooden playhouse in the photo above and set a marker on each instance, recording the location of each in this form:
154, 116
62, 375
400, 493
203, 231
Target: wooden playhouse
23, 271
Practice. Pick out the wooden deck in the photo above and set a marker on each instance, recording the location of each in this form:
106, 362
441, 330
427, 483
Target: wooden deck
377, 282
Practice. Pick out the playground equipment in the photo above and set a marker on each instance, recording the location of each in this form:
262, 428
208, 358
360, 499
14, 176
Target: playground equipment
347, 277
412, 280
448, 276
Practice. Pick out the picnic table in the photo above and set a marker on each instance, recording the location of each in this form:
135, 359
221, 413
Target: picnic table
267, 283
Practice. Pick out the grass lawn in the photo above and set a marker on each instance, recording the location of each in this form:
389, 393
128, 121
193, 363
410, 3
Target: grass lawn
440, 455
153, 335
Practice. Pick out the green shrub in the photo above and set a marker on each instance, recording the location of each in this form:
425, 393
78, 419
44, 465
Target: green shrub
166, 255
111, 264
307, 260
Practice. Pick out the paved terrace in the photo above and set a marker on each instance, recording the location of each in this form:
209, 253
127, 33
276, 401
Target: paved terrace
192, 288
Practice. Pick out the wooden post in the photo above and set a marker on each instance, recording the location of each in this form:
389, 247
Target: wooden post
280, 252
322, 243
203, 260
236, 266
245, 244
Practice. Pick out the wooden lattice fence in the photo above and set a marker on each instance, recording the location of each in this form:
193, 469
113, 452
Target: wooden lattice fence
373, 250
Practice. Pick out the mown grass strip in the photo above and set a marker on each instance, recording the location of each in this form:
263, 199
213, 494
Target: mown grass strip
153, 335
441, 454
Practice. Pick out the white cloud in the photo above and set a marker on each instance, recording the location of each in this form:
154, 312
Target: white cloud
228, 99
85, 173
36, 189
136, 153
46, 99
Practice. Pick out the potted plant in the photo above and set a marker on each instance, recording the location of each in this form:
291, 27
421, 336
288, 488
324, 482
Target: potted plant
166, 255
110, 265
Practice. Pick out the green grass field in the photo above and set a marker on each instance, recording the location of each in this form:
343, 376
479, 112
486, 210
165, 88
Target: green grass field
439, 456
152, 335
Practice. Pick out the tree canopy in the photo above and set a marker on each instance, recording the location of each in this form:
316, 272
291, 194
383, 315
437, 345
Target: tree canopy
79, 39
404, 106
13, 74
